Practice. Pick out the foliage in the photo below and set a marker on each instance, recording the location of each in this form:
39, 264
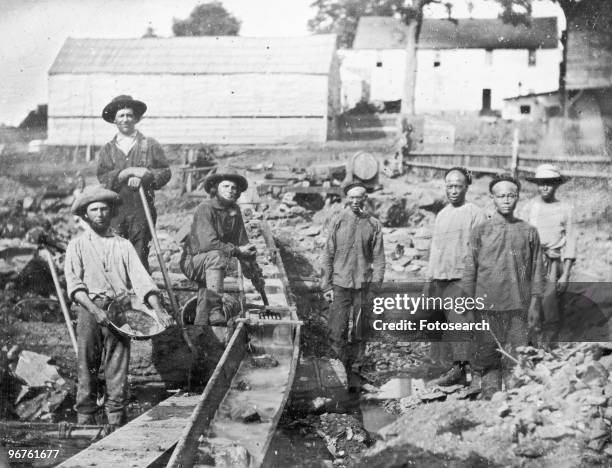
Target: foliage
207, 19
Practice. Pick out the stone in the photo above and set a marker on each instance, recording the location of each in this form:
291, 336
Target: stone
499, 397
595, 400
593, 373
34, 370
503, 410
231, 456
264, 360
311, 231
553, 432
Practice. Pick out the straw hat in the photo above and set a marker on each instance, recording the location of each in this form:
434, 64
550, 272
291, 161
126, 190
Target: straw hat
548, 173
94, 193
122, 102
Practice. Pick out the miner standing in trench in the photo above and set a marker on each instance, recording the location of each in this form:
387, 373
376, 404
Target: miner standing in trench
127, 162
353, 268
449, 245
101, 267
504, 267
217, 234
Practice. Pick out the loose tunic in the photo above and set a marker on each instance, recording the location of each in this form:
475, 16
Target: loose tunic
555, 225
504, 264
354, 254
449, 244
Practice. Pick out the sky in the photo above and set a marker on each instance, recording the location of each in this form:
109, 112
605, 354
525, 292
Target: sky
33, 31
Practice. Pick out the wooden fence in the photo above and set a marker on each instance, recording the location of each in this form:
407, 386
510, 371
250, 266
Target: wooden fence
581, 167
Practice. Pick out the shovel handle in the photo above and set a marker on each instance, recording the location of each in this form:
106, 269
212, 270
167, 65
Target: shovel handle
60, 296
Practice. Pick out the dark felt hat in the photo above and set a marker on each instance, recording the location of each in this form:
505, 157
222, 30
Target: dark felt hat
214, 179
351, 185
94, 193
122, 102
504, 177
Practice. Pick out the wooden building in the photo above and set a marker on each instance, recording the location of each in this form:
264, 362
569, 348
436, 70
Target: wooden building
221, 90
462, 65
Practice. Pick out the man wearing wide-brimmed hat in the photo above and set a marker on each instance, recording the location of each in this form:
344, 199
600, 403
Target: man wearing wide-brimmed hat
125, 163
217, 234
353, 266
101, 267
554, 221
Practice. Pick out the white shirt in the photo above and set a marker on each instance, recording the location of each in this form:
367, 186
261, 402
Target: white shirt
125, 142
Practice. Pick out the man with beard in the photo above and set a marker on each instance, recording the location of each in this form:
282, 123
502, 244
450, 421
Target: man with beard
353, 266
216, 235
504, 267
127, 162
449, 245
100, 267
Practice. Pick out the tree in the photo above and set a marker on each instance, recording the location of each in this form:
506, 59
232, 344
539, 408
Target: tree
342, 16
515, 9
207, 19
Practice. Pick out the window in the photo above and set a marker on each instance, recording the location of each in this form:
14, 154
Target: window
531, 60
436, 64
379, 64
489, 57
526, 109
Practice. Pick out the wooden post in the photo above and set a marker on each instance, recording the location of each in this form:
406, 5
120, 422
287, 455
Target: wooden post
515, 153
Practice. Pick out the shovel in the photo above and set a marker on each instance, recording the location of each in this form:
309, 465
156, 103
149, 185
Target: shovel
162, 266
60, 296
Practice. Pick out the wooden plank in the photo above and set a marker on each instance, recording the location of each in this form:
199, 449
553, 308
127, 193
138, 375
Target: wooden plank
141, 442
209, 401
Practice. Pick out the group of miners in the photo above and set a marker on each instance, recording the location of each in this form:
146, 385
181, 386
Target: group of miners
522, 266
518, 266
108, 262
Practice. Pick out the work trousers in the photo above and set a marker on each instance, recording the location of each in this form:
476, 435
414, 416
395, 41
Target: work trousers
454, 345
510, 328
131, 223
349, 307
207, 269
551, 312
99, 345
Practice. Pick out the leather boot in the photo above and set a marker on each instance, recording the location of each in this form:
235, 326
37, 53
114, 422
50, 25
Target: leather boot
214, 282
209, 310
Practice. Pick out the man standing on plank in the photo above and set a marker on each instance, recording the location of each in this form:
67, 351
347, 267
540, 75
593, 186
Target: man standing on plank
127, 162
504, 267
353, 266
449, 246
101, 267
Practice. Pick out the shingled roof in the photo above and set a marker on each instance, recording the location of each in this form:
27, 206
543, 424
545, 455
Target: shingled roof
197, 55
378, 32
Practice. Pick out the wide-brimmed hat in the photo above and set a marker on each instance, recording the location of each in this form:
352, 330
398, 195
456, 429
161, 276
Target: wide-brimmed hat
122, 102
229, 174
547, 173
94, 193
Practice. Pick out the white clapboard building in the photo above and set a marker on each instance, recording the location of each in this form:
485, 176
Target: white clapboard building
462, 65
220, 90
